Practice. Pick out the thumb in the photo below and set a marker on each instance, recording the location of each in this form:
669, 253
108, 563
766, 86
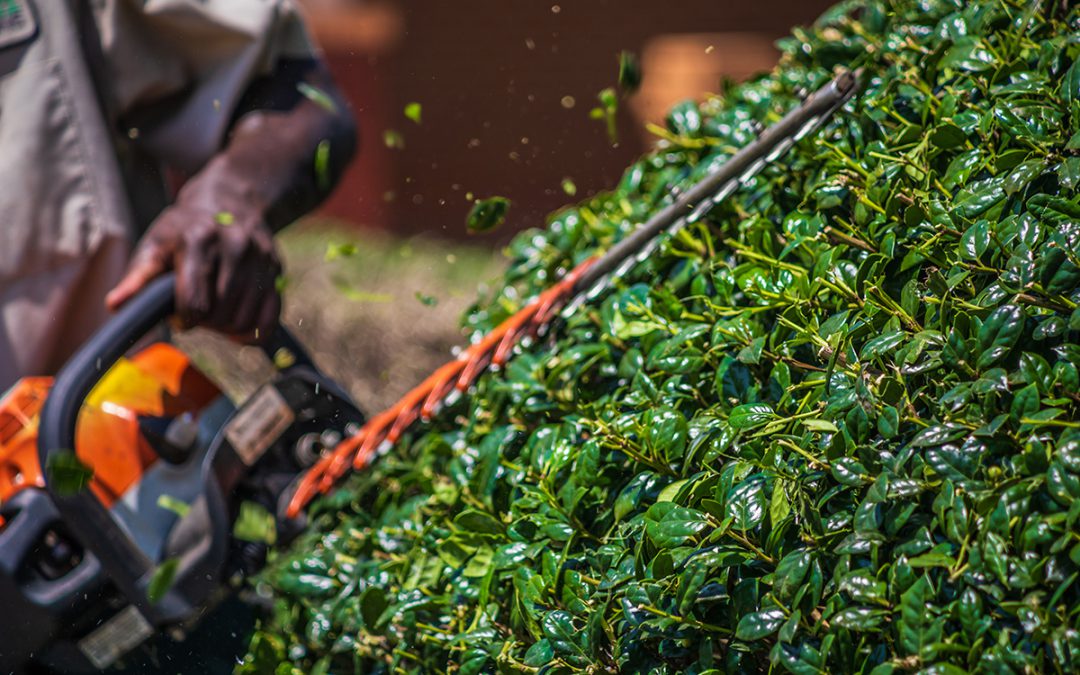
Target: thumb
148, 264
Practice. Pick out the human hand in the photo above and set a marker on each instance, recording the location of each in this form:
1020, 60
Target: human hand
216, 240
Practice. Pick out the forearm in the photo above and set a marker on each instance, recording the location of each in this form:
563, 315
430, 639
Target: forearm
284, 155
283, 162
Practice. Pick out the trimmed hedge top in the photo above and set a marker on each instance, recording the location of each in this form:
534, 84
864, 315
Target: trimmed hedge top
832, 428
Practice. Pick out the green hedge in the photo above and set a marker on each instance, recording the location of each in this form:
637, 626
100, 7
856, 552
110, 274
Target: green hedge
832, 429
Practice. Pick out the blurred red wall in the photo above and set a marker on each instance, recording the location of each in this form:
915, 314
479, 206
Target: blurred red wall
495, 79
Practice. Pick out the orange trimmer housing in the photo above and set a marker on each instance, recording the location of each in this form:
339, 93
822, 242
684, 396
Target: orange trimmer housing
158, 381
164, 465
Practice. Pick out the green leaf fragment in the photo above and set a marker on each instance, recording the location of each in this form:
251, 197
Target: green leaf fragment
67, 474
393, 139
322, 166
177, 506
606, 112
254, 523
318, 96
487, 214
629, 72
162, 580
342, 250
426, 300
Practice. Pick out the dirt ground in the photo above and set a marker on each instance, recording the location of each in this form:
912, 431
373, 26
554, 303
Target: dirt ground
378, 313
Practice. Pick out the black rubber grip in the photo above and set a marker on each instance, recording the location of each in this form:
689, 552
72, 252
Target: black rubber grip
85, 515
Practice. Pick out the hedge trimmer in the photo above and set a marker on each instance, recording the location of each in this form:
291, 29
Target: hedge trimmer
133, 493
580, 283
125, 482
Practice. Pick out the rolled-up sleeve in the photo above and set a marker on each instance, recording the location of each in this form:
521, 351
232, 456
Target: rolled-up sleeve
178, 68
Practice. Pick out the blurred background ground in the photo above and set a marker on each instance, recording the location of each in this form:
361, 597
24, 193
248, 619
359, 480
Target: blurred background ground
378, 313
505, 90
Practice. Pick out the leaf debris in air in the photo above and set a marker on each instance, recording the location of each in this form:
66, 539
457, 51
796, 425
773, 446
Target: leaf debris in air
629, 72
170, 503
393, 139
323, 178
67, 474
487, 214
342, 250
254, 523
427, 300
318, 96
606, 112
162, 580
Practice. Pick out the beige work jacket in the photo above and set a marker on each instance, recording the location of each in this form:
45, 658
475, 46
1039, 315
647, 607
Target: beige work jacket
66, 175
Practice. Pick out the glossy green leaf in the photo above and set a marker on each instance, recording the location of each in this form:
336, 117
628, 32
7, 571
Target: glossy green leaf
560, 632
947, 135
666, 432
373, 604
975, 240
750, 415
888, 422
677, 526
999, 334
790, 572
758, 625
882, 344
978, 197
859, 619
1070, 83
1025, 403
746, 505
915, 619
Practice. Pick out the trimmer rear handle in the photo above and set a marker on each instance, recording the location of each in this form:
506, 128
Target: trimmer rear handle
86, 517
